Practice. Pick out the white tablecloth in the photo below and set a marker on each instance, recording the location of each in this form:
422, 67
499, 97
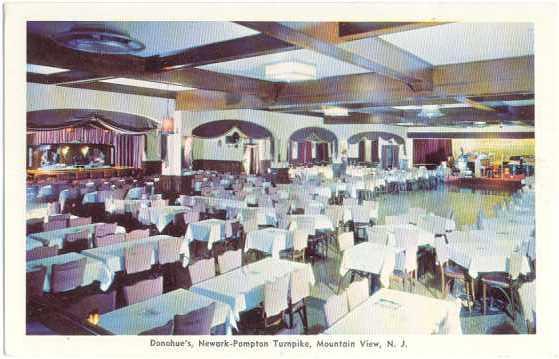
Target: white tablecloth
321, 221
157, 311
263, 215
209, 230
121, 206
392, 312
425, 238
162, 216
371, 258
269, 240
94, 269
56, 238
32, 243
113, 256
484, 256
243, 288
527, 293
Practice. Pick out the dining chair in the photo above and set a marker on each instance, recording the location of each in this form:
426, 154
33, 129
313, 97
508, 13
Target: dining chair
357, 292
101, 303
35, 281
142, 290
396, 220
299, 290
335, 308
345, 241
196, 322
415, 214
230, 260
75, 242
505, 281
138, 258
165, 329
169, 250
202, 270
378, 235
137, 234
80, 221
67, 276
104, 229
41, 252
108, 240
360, 218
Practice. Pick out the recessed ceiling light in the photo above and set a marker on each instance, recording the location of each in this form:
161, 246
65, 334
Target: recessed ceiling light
44, 70
335, 111
147, 84
290, 71
480, 123
405, 123
416, 107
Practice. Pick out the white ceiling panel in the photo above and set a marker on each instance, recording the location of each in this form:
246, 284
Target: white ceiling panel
159, 37
255, 66
466, 42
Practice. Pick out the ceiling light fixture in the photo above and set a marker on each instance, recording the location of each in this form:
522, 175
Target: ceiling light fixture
44, 70
416, 107
147, 84
290, 71
335, 111
99, 40
430, 111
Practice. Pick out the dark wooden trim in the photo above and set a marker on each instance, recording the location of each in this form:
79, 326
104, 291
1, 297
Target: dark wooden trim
234, 167
511, 135
355, 28
235, 49
132, 90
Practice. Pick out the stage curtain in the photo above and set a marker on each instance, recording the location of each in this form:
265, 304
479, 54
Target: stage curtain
432, 150
322, 151
129, 149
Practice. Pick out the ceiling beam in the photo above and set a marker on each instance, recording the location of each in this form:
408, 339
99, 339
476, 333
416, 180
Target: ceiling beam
305, 41
65, 78
349, 31
235, 49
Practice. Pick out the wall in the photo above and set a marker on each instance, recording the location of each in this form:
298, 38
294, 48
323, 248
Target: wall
42, 97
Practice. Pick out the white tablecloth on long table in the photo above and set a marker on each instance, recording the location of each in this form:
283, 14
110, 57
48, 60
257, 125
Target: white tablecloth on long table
263, 215
94, 269
425, 238
269, 240
162, 216
243, 288
113, 256
527, 293
209, 230
157, 311
56, 237
370, 258
32, 243
484, 256
392, 312
121, 206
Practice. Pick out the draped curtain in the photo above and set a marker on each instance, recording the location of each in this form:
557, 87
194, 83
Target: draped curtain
374, 151
362, 151
129, 149
432, 150
322, 151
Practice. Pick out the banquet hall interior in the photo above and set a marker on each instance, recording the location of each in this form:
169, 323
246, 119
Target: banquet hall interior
280, 178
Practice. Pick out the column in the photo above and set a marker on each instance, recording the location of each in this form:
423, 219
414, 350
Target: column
172, 167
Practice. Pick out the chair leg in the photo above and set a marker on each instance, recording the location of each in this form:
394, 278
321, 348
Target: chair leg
472, 283
443, 285
484, 298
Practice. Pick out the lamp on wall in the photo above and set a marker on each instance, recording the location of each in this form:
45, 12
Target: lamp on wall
168, 126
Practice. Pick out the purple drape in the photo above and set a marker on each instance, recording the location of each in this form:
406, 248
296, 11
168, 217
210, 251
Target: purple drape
322, 151
374, 151
304, 150
361, 151
128, 148
432, 150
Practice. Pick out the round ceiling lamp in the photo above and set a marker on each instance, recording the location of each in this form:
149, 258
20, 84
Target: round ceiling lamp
98, 40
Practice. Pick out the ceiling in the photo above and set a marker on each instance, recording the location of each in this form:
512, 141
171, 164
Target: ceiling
369, 68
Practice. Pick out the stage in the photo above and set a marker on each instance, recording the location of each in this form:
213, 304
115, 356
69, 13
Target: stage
72, 172
509, 184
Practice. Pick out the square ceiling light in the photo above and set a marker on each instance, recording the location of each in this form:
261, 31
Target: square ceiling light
147, 84
335, 111
290, 71
44, 70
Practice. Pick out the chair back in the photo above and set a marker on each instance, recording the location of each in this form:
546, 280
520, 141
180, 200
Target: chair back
197, 322
80, 221
100, 302
377, 235
104, 229
396, 220
515, 265
41, 252
306, 224
299, 286
406, 238
415, 214
108, 240
335, 213
76, 242
67, 276
441, 250
357, 293
165, 329
345, 240
335, 308
202, 270
275, 295
169, 250
300, 240
138, 258
360, 214
35, 280
143, 290
230, 260
54, 225
137, 234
